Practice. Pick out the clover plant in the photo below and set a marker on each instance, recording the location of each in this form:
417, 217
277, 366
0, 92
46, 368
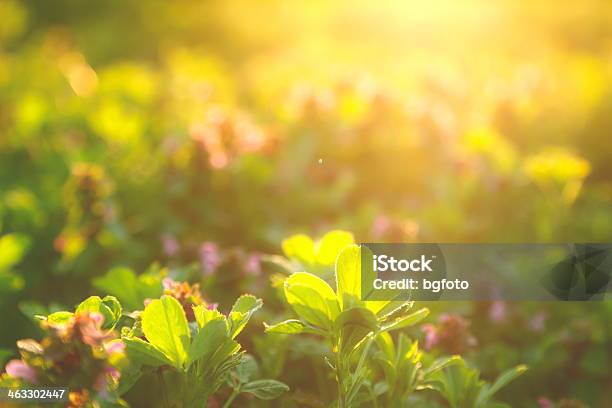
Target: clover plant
349, 324
202, 353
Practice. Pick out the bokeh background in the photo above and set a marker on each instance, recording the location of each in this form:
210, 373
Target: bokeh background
199, 134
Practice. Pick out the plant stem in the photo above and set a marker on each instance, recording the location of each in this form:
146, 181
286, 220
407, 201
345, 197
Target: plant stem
160, 377
366, 350
231, 398
340, 376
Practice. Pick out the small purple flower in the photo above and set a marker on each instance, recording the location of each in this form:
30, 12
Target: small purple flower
537, 322
170, 244
498, 311
19, 369
114, 347
544, 402
210, 257
113, 373
252, 266
431, 336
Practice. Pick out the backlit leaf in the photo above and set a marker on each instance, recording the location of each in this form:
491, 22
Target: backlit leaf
165, 326
145, 353
330, 245
311, 298
265, 389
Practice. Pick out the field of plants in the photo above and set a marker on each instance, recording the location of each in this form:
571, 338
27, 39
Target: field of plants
183, 185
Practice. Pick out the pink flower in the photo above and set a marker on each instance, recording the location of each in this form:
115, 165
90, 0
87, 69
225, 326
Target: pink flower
113, 373
210, 257
380, 226
19, 369
431, 336
544, 402
98, 318
537, 322
105, 379
252, 265
170, 244
167, 283
115, 347
451, 334
498, 312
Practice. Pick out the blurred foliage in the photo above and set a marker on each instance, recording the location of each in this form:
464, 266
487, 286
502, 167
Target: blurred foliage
200, 135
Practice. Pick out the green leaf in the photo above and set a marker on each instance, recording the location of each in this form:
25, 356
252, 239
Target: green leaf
91, 304
357, 316
165, 326
31, 309
109, 307
291, 326
380, 388
311, 298
247, 368
441, 363
241, 312
330, 245
405, 321
504, 379
207, 340
301, 248
142, 352
224, 353
12, 250
348, 277
10, 282
204, 315
129, 377
265, 389
246, 304
131, 290
59, 317
386, 346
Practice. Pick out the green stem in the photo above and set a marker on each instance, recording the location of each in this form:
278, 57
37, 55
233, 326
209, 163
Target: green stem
340, 379
160, 377
365, 351
355, 380
231, 398
342, 373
